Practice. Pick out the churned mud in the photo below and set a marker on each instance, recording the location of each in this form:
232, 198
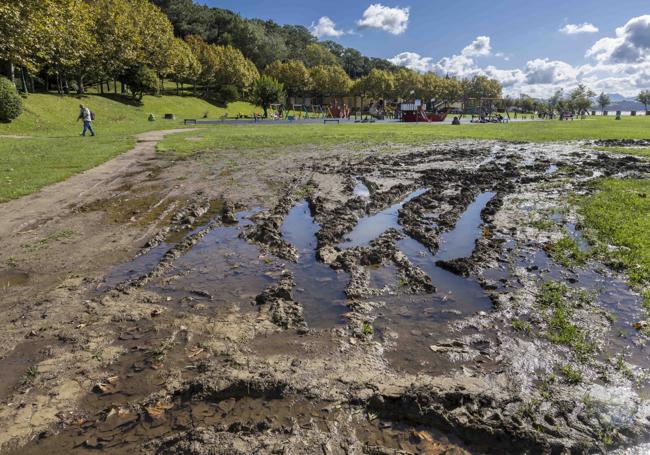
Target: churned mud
444, 299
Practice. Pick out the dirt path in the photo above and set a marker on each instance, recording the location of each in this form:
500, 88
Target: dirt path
27, 212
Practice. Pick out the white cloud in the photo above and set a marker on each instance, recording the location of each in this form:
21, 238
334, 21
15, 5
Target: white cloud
412, 61
631, 44
391, 20
325, 27
574, 29
480, 47
621, 65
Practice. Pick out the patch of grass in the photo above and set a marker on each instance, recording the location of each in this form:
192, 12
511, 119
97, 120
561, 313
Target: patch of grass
521, 326
560, 301
12, 262
44, 243
571, 375
567, 252
258, 136
367, 328
55, 151
621, 367
28, 376
619, 213
543, 224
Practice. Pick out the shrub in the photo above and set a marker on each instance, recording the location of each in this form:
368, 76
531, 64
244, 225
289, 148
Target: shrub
141, 80
11, 104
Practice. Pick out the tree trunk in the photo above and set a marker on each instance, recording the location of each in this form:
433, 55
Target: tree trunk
101, 87
22, 76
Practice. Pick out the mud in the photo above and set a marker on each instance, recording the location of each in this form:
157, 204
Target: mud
410, 302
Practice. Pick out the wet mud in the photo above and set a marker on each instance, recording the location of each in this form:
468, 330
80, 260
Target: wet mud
413, 302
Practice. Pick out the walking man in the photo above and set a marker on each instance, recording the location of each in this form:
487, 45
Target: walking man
87, 117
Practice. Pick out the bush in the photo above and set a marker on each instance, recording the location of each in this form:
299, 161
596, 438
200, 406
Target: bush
11, 104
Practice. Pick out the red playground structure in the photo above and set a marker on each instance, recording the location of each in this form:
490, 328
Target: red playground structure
418, 112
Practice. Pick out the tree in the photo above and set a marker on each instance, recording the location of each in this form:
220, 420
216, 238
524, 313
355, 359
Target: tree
267, 91
580, 99
293, 75
407, 84
380, 83
318, 55
141, 80
330, 80
644, 98
234, 69
603, 101
184, 66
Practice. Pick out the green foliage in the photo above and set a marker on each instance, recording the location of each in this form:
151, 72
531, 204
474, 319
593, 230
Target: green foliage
367, 328
11, 104
141, 80
644, 98
266, 91
567, 252
603, 101
329, 80
521, 326
28, 377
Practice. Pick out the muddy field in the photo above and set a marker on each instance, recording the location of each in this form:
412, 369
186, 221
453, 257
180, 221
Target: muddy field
444, 299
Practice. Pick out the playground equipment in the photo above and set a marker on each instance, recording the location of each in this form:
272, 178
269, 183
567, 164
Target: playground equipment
486, 110
421, 112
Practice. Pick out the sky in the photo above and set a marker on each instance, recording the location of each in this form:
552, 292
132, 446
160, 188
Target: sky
530, 46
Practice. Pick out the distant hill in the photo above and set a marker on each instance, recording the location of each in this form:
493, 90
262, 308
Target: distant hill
622, 103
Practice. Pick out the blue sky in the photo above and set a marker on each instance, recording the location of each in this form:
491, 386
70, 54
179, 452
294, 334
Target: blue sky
532, 46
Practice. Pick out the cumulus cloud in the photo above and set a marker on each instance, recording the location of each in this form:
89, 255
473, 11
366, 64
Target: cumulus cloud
631, 44
574, 29
480, 47
621, 65
325, 27
413, 61
391, 20
545, 71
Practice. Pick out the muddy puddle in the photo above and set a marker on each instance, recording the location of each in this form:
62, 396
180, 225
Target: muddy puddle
12, 278
319, 289
416, 294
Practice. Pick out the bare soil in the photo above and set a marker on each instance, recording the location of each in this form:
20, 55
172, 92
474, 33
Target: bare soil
318, 302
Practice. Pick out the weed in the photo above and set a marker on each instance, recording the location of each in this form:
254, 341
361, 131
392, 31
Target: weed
571, 375
543, 225
622, 367
28, 376
12, 262
522, 326
367, 328
44, 243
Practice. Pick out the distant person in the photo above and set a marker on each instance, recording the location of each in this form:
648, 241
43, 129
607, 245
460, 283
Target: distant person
87, 117
455, 121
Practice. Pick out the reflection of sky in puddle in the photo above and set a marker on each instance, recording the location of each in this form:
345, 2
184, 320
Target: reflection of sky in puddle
372, 226
361, 190
319, 289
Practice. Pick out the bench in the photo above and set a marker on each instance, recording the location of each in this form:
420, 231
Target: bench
325, 120
189, 121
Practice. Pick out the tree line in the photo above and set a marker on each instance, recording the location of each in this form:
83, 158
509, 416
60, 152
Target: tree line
134, 45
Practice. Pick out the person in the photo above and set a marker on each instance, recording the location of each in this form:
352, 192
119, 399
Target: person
87, 117
455, 121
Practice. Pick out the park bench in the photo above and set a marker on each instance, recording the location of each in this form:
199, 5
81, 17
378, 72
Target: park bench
189, 121
331, 120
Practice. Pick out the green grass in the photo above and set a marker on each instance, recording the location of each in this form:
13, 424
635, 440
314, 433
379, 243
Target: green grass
264, 136
55, 151
567, 252
620, 214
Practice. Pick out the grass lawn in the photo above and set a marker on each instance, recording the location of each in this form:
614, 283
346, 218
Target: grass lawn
620, 212
638, 151
55, 151
220, 137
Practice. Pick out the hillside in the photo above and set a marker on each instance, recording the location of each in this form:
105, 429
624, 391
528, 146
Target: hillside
51, 149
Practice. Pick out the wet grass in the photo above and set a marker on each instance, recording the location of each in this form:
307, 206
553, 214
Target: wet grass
567, 252
54, 150
571, 375
45, 242
560, 302
251, 137
619, 214
637, 151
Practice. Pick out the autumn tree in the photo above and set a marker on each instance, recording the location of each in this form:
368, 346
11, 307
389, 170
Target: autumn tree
329, 80
380, 83
407, 84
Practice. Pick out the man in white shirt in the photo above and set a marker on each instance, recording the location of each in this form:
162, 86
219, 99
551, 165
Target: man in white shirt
87, 117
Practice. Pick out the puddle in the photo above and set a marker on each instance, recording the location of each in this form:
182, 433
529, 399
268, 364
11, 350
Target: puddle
11, 278
552, 169
220, 270
319, 289
371, 227
136, 267
361, 190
